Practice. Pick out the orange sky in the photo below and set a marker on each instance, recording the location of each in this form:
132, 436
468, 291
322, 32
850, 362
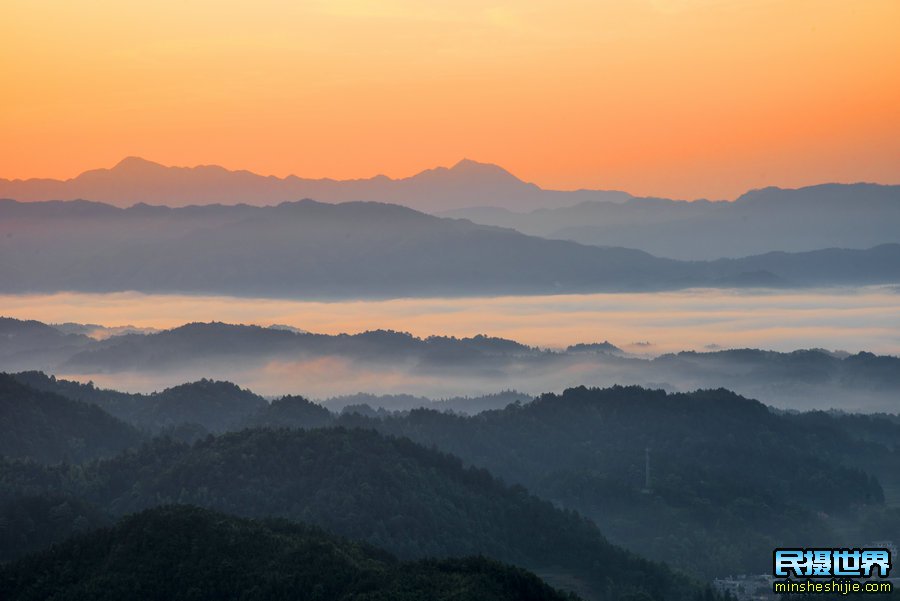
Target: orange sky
683, 98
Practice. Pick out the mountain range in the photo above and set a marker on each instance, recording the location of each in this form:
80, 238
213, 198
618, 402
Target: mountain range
134, 180
853, 216
771, 219
309, 249
821, 477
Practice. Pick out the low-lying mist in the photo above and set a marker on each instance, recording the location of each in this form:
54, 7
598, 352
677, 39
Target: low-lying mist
650, 332
851, 319
326, 377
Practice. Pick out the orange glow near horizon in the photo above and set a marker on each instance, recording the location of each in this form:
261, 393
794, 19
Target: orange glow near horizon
682, 98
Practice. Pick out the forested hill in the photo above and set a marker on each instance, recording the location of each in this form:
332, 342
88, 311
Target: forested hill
718, 432
206, 405
49, 427
390, 492
188, 554
730, 478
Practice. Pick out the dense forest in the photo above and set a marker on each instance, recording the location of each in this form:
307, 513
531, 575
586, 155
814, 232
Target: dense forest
390, 492
730, 478
48, 427
30, 523
215, 406
188, 554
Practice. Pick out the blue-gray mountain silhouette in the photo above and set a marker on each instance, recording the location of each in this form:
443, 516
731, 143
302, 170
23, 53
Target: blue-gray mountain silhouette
308, 249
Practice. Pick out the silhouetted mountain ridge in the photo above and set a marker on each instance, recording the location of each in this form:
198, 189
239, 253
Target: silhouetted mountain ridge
308, 249
134, 180
855, 216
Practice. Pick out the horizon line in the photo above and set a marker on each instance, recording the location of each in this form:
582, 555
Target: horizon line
381, 175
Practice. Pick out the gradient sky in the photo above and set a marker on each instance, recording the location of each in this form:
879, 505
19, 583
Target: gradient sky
684, 98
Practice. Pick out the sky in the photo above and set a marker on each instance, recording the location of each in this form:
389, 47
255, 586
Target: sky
678, 98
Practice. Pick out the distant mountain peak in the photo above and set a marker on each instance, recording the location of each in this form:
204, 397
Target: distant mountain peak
135, 163
469, 173
468, 166
133, 160
471, 165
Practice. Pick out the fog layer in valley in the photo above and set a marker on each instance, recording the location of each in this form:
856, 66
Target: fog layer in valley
529, 344
853, 320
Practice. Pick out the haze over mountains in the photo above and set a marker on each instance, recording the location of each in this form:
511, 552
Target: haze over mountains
134, 180
772, 219
396, 362
851, 216
312, 250
190, 442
